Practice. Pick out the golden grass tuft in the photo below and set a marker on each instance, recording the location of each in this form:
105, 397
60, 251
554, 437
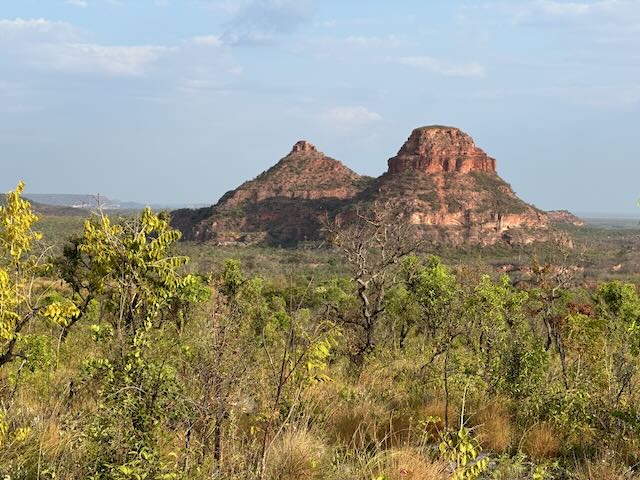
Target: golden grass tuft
435, 408
603, 469
542, 442
494, 427
297, 455
357, 425
407, 464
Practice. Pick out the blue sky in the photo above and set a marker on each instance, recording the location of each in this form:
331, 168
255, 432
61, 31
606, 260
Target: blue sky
177, 101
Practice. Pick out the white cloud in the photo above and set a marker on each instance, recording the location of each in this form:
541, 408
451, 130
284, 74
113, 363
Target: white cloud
598, 13
442, 67
78, 3
36, 29
207, 40
334, 45
93, 58
58, 46
350, 116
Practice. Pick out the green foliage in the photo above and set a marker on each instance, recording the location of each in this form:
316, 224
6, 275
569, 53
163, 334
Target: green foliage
463, 452
121, 364
16, 221
19, 269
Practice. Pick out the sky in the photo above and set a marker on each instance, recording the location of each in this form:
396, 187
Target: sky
178, 101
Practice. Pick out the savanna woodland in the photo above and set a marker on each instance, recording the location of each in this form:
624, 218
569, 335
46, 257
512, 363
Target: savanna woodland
120, 360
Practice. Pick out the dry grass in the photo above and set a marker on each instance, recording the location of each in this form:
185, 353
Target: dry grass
357, 425
297, 455
406, 464
369, 424
494, 428
603, 469
435, 409
542, 442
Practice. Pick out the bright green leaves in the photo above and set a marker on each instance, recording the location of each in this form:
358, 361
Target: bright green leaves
16, 222
232, 277
463, 452
318, 356
622, 301
8, 304
131, 265
60, 313
22, 299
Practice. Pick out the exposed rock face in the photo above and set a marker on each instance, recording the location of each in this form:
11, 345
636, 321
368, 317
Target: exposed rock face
439, 181
439, 149
305, 173
449, 187
565, 217
283, 205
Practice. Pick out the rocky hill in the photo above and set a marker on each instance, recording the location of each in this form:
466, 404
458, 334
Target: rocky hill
282, 205
439, 180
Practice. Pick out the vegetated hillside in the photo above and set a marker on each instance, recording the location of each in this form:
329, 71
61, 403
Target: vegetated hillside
116, 363
283, 205
82, 201
93, 202
52, 210
440, 181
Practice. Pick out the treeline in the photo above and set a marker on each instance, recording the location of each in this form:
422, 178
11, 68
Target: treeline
115, 363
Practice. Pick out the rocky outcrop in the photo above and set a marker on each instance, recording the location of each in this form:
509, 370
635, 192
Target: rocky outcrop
446, 185
565, 217
304, 173
282, 205
438, 149
440, 181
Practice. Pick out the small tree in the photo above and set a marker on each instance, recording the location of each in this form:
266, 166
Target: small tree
129, 267
21, 302
373, 246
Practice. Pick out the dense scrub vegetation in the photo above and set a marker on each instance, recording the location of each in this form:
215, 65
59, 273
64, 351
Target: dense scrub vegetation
118, 361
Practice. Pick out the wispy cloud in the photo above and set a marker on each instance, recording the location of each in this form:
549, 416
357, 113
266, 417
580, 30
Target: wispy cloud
595, 15
443, 67
337, 45
349, 116
207, 40
77, 3
58, 46
260, 22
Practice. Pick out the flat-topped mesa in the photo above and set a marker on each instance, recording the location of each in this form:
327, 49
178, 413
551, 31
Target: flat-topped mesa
438, 149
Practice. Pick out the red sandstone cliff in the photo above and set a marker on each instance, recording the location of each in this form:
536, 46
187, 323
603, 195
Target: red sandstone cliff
437, 149
439, 180
304, 173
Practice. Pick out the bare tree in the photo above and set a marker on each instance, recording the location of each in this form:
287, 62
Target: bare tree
373, 244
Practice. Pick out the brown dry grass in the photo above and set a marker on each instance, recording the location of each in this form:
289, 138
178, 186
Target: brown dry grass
435, 409
297, 455
494, 427
603, 469
542, 442
406, 464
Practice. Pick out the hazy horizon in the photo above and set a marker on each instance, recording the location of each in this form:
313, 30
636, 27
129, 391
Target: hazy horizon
176, 102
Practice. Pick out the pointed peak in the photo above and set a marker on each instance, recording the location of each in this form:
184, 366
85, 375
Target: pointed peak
303, 146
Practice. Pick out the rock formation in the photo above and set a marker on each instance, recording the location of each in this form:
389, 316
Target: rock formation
449, 187
282, 205
439, 180
437, 149
565, 217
